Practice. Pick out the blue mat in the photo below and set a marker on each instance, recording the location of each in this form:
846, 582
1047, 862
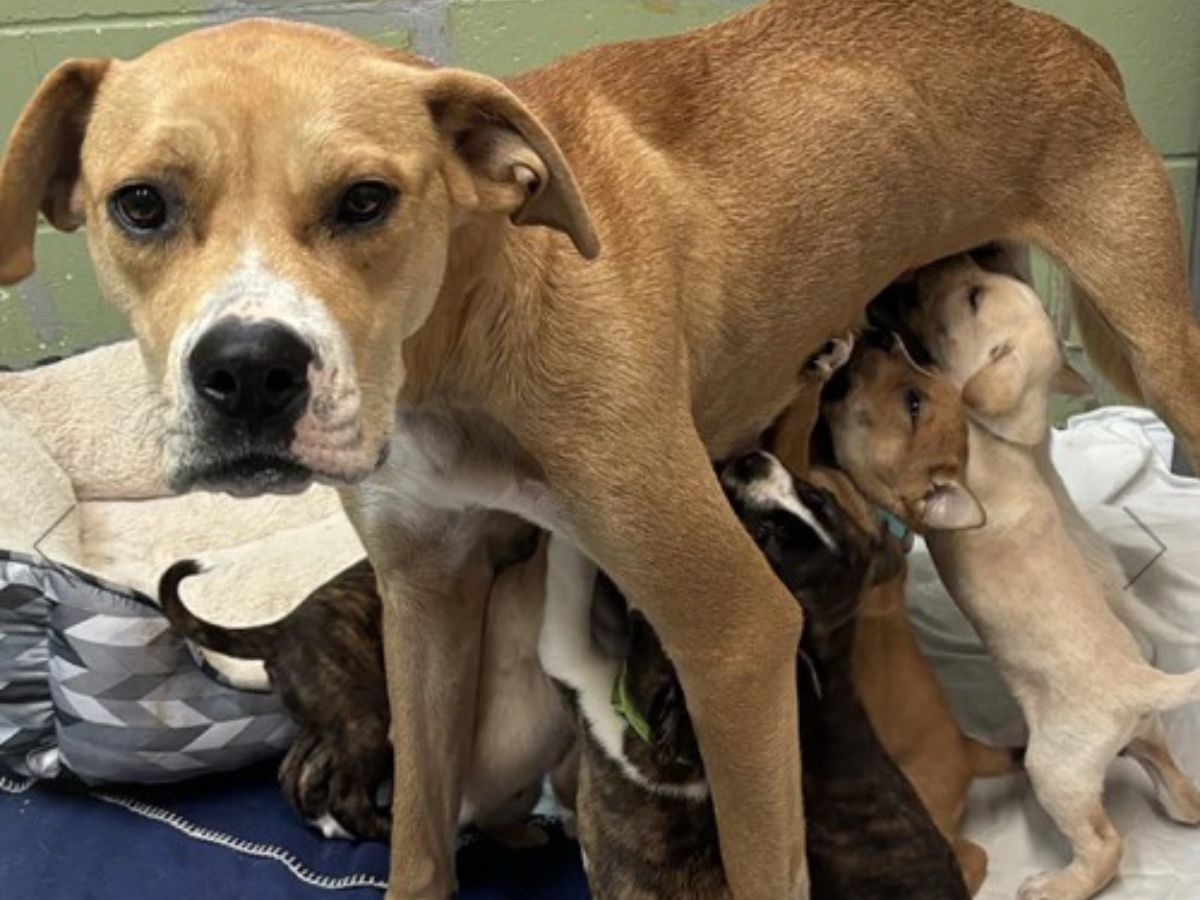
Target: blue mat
230, 837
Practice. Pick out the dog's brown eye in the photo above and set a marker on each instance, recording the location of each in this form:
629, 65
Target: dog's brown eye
364, 203
139, 208
973, 297
912, 400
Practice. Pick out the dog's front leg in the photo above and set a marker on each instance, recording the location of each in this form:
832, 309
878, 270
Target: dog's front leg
644, 503
434, 575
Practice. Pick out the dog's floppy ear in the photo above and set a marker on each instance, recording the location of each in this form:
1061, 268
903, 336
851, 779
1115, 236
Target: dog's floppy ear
998, 398
950, 506
41, 165
509, 162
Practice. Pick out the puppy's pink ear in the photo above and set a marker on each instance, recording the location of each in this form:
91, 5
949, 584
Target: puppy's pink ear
41, 165
508, 161
950, 506
999, 397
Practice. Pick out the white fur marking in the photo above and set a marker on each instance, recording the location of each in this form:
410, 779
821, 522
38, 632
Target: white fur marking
328, 436
776, 489
566, 651
331, 828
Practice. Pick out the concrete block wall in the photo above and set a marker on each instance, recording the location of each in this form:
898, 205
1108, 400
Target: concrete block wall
57, 310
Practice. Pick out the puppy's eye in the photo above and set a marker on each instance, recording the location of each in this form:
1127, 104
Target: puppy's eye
973, 297
364, 203
913, 400
139, 208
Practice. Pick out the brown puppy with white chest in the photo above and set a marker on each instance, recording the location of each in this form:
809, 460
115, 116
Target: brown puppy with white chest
902, 432
340, 290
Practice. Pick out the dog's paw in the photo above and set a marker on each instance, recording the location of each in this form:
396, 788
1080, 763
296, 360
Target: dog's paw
831, 357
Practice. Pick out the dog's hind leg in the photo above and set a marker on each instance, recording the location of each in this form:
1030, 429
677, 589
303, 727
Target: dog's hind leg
1176, 792
1113, 224
1068, 780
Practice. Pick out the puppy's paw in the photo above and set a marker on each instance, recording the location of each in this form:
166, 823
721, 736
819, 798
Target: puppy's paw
1050, 886
518, 836
831, 357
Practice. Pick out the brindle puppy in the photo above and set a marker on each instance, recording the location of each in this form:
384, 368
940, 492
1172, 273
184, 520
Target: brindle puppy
326, 661
645, 818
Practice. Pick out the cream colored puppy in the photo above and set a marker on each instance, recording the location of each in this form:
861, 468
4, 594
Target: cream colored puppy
1030, 583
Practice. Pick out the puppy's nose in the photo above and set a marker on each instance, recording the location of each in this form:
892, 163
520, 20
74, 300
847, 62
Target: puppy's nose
253, 372
747, 469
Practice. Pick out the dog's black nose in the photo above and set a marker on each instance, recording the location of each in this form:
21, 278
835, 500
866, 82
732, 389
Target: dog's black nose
254, 372
749, 468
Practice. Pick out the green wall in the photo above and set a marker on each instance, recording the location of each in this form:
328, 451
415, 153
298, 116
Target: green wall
1156, 42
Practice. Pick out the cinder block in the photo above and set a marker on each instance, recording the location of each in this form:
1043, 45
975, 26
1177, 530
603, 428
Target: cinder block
503, 37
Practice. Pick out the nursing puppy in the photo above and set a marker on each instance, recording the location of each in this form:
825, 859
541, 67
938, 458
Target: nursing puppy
645, 818
325, 659
1030, 584
900, 434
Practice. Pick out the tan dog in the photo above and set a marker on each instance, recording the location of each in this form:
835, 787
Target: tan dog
315, 240
902, 435
1030, 584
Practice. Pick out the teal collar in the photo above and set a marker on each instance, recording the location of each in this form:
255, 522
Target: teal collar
898, 529
624, 708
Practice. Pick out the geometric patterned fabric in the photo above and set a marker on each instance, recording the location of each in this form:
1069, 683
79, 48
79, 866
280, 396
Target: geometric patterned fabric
93, 680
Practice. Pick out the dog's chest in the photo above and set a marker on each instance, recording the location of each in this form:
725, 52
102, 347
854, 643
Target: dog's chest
436, 466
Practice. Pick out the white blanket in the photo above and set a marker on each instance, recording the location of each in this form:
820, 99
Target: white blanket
80, 484
1116, 465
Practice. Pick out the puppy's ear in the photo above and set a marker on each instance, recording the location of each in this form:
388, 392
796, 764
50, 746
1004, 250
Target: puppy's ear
999, 398
1069, 382
41, 165
900, 348
886, 560
503, 159
667, 716
950, 506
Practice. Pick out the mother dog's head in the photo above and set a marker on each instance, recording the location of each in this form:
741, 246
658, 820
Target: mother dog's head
273, 206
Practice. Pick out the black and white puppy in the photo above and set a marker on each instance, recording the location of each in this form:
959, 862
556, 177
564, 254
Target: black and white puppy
645, 818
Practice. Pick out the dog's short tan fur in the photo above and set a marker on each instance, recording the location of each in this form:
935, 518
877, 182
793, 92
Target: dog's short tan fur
716, 178
901, 459
1031, 585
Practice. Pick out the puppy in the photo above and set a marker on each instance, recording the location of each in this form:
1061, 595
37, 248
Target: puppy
901, 433
645, 818
326, 661
1030, 584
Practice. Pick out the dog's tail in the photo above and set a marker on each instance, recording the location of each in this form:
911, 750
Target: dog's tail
242, 643
988, 761
1105, 348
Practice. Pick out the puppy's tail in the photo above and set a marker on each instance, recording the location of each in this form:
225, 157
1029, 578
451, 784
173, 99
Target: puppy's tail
988, 761
241, 643
1145, 621
1170, 691
1105, 348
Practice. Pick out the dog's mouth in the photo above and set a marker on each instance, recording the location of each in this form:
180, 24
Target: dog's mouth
246, 476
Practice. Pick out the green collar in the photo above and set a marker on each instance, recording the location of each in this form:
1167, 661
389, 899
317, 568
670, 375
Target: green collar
624, 708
